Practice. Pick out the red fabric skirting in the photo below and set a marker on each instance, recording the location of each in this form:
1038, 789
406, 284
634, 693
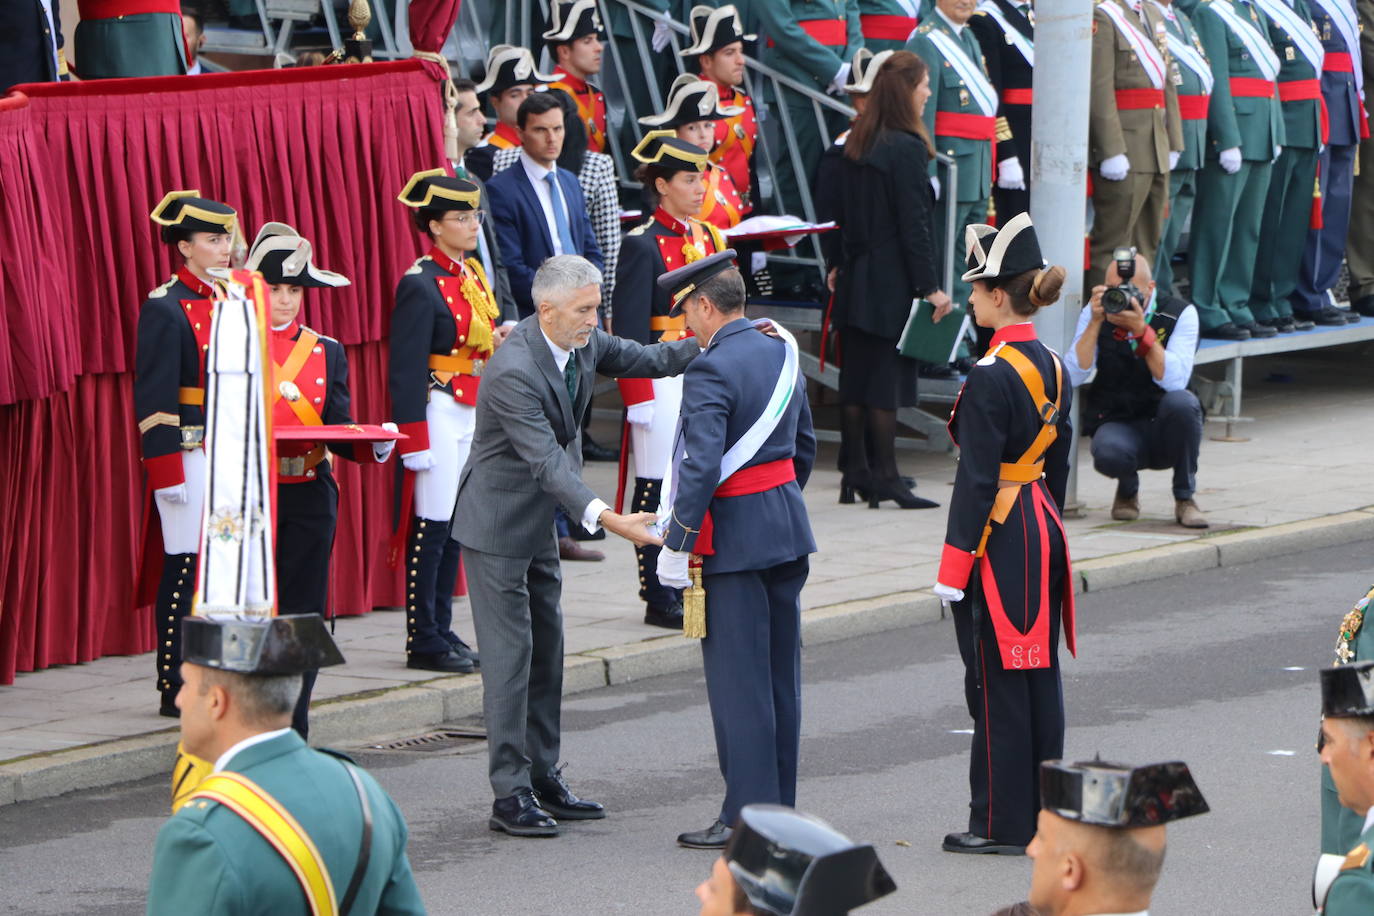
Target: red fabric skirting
81, 165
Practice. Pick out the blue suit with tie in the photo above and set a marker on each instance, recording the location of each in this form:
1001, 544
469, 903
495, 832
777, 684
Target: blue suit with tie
524, 234
753, 580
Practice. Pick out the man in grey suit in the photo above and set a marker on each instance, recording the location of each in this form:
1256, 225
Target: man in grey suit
526, 460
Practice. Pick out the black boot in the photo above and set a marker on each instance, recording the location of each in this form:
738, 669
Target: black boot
426, 647
662, 605
444, 583
174, 593
854, 451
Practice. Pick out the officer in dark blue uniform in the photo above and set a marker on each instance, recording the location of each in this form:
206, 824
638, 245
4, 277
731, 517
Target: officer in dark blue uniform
745, 449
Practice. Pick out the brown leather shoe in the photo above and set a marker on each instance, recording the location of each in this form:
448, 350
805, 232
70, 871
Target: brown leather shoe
1126, 508
1189, 515
568, 549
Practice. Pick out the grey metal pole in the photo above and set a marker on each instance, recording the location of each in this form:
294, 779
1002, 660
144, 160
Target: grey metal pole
1059, 163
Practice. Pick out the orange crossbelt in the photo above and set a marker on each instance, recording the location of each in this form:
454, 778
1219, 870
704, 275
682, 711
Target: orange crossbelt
301, 407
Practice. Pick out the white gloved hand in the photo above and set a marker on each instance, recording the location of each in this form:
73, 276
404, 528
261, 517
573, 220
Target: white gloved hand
641, 414
418, 461
661, 37
758, 260
1173, 159
935, 186
174, 495
1115, 168
948, 592
1009, 175
672, 568
1278, 151
382, 450
1230, 160
836, 86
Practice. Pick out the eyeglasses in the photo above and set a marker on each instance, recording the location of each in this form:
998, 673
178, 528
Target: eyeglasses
470, 218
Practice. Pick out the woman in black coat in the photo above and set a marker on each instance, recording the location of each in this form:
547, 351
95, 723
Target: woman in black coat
883, 256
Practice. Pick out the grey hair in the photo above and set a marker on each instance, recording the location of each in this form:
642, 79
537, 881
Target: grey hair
561, 276
262, 699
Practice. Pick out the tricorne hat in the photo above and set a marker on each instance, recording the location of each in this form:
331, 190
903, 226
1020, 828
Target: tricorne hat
281, 255
691, 99
572, 19
663, 148
792, 864
509, 66
436, 189
863, 69
1119, 795
995, 254
292, 644
713, 29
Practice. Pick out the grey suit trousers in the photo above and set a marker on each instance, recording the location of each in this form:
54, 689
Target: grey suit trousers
519, 628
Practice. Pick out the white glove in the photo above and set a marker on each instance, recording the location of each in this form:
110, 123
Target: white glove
1115, 168
641, 414
841, 77
418, 461
174, 495
1173, 159
758, 260
1009, 175
1230, 160
382, 450
948, 592
1278, 151
672, 568
935, 186
661, 37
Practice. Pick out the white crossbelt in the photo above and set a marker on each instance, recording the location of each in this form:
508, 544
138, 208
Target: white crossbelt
1184, 52
1343, 14
1014, 36
1301, 32
1259, 47
1146, 51
971, 73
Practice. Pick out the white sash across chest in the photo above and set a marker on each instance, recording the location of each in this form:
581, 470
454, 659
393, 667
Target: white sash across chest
1014, 36
1343, 14
1185, 53
1301, 32
970, 71
1143, 45
1254, 42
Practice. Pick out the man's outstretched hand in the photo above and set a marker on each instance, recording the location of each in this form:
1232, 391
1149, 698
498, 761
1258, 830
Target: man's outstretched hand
635, 527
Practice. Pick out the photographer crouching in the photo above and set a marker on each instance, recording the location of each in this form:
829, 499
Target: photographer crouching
1136, 347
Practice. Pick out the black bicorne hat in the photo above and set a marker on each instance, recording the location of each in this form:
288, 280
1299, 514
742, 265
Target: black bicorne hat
1118, 795
436, 189
792, 864
995, 254
292, 644
189, 211
281, 255
713, 29
509, 66
1348, 690
691, 99
664, 149
572, 19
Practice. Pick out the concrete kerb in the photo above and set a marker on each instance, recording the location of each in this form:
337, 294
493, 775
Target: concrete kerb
414, 707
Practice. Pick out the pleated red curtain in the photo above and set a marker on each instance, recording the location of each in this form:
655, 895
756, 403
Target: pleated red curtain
324, 149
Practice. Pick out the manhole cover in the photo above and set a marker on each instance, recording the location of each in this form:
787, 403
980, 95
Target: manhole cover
443, 740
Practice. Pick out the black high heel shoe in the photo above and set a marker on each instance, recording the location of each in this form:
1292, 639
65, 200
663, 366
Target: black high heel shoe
850, 484
893, 489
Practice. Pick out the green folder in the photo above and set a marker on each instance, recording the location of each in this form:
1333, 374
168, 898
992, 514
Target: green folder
930, 341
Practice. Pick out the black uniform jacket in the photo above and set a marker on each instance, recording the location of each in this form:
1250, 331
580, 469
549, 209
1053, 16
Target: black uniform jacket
1007, 69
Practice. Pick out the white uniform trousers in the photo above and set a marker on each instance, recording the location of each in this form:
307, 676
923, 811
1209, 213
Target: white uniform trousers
653, 444
451, 426
181, 522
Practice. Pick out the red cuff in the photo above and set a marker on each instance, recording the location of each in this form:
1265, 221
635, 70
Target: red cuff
1145, 341
636, 390
165, 471
418, 440
955, 567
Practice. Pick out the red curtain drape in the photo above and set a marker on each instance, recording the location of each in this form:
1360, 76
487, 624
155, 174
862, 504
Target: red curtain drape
324, 149
431, 22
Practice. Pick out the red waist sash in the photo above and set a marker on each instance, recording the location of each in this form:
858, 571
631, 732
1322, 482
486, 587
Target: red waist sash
1135, 99
758, 478
967, 126
888, 28
1017, 96
112, 9
1250, 87
829, 32
1299, 90
1193, 107
1338, 62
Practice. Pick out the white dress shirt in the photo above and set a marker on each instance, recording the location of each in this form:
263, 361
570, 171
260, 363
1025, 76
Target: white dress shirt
245, 744
591, 518
1179, 352
958, 29
536, 174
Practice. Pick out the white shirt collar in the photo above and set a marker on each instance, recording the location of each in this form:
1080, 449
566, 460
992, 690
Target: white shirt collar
958, 29
532, 168
560, 356
245, 744
1368, 820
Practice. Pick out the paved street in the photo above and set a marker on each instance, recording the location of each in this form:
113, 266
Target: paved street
1204, 668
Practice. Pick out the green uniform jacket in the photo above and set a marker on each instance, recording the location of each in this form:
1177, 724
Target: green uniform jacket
1188, 83
210, 862
1145, 135
1255, 125
1341, 826
796, 53
948, 93
885, 8
1352, 893
1302, 119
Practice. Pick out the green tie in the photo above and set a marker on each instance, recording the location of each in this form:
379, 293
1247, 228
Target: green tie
460, 171
570, 378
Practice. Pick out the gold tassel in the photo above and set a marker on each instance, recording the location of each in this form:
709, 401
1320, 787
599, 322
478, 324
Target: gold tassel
188, 773
694, 603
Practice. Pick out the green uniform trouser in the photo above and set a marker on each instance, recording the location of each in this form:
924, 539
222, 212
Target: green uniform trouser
1126, 212
145, 44
1359, 246
1287, 215
1225, 240
965, 212
1182, 194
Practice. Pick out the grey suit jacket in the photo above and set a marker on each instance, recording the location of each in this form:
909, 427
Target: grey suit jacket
526, 453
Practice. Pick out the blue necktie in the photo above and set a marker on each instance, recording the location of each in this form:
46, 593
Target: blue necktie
560, 214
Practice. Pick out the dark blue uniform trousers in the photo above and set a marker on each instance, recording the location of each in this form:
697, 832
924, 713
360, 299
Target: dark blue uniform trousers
307, 514
1321, 260
752, 657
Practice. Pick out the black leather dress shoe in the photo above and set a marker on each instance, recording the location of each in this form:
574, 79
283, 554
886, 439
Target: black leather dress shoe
1364, 306
713, 837
1227, 331
554, 796
1327, 316
1351, 316
520, 815
976, 845
1302, 324
1284, 324
670, 617
448, 662
594, 451
1258, 330
462, 649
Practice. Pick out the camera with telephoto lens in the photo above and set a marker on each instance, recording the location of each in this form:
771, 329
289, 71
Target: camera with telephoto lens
1117, 299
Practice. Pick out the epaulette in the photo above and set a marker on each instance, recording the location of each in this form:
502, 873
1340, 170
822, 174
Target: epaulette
980, 12
318, 334
639, 230
418, 266
162, 290
925, 29
1356, 858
